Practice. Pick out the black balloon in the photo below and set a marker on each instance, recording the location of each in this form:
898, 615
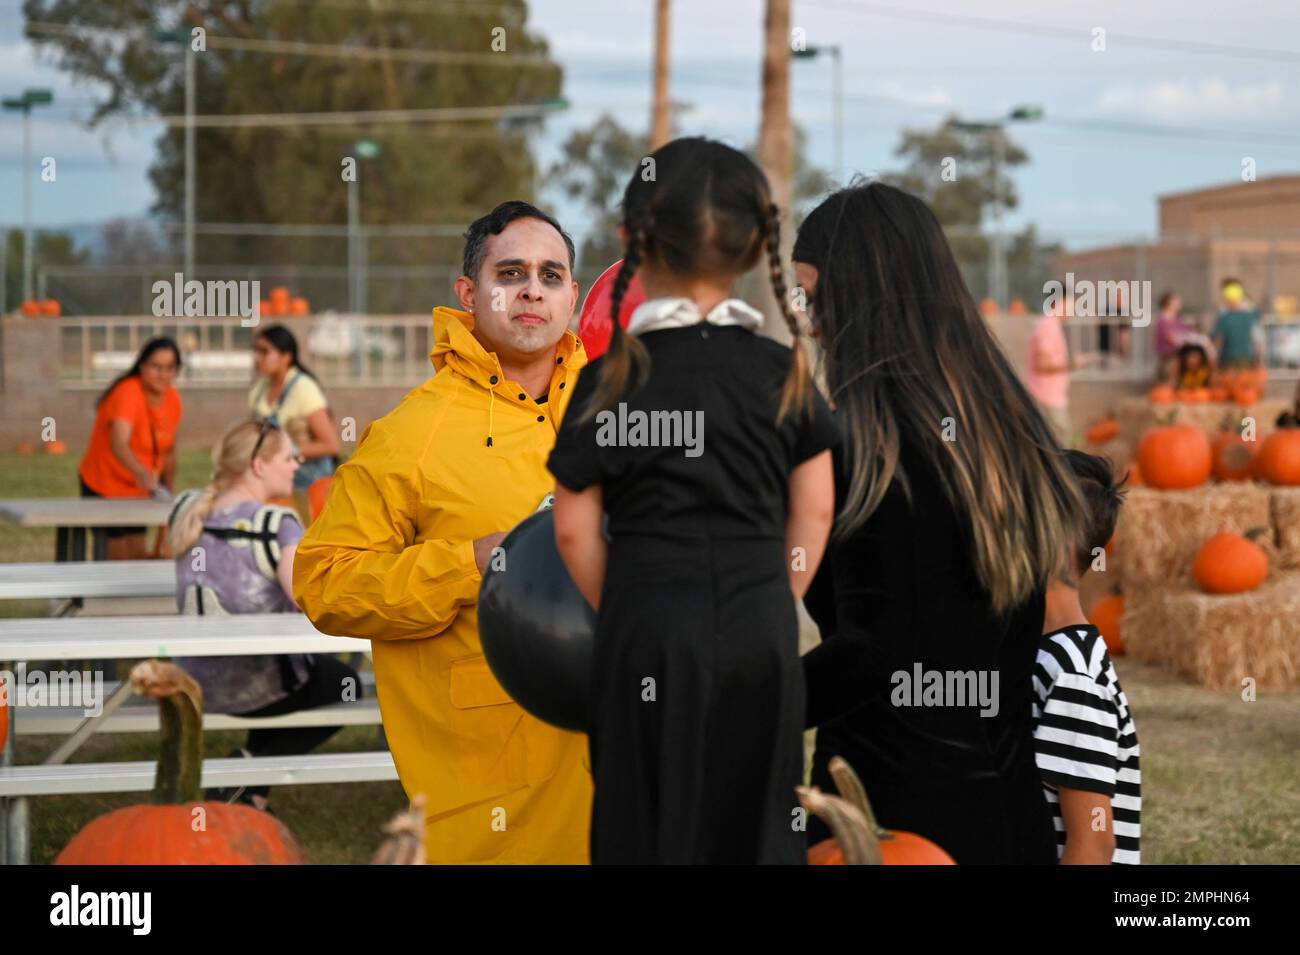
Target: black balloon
537, 629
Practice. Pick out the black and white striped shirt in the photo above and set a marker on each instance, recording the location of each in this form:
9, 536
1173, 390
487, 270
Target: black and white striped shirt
1084, 736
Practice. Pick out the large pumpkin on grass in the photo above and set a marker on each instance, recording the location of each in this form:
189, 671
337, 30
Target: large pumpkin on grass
1105, 615
858, 839
165, 833
1175, 456
1278, 460
1234, 456
1230, 563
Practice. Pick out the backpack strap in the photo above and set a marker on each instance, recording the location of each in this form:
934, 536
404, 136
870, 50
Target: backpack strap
262, 531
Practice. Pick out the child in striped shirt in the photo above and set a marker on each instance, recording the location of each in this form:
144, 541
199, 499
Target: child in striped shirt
1085, 743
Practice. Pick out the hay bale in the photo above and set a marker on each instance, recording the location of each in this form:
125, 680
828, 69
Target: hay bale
1217, 641
1137, 415
1160, 532
1285, 507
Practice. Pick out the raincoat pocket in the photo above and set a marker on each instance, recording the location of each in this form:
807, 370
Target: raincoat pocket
488, 728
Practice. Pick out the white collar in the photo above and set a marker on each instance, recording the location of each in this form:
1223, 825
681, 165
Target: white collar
660, 313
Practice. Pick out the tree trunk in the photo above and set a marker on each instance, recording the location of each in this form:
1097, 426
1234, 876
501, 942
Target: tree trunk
776, 146
661, 113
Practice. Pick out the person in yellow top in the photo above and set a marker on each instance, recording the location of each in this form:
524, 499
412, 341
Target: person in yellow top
412, 519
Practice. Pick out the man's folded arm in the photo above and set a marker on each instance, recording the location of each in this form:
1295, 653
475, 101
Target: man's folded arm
359, 572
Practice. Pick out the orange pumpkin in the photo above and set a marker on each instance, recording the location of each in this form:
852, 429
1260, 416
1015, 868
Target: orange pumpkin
1234, 457
1278, 460
850, 818
1161, 394
1245, 395
180, 829
26, 447
1135, 476
1230, 563
1107, 429
1175, 456
1220, 393
55, 447
1105, 616
51, 308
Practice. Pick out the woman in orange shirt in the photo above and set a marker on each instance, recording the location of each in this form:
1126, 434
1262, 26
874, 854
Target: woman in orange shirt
132, 449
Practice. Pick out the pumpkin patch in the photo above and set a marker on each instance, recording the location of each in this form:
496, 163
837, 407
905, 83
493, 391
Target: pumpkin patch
179, 828
1230, 563
1174, 457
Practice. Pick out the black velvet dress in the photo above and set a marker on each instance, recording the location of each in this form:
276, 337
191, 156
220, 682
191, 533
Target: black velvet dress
903, 591
698, 710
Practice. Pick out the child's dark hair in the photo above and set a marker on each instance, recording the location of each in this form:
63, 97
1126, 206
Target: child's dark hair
1192, 349
1166, 299
703, 209
1102, 497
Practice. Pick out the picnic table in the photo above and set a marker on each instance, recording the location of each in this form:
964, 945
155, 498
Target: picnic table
70, 516
87, 638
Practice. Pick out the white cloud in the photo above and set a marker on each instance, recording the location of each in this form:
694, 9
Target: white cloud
1206, 100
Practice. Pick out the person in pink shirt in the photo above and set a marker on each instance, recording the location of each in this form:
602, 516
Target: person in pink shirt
1049, 368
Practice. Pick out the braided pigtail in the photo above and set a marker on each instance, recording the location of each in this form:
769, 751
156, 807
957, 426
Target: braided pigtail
797, 393
627, 364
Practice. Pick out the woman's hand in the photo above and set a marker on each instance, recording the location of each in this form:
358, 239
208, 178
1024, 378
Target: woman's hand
580, 538
119, 442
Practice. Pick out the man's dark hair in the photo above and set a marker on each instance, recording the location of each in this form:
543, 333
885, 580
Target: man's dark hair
1102, 497
494, 223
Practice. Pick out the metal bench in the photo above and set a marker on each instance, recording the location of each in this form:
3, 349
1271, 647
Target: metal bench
88, 638
42, 780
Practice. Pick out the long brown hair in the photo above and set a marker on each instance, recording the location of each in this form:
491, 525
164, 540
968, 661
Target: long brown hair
908, 358
706, 211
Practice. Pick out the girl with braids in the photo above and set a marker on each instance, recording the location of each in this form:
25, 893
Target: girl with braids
247, 549
957, 508
697, 719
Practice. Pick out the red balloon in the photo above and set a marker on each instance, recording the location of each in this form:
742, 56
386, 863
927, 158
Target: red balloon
594, 327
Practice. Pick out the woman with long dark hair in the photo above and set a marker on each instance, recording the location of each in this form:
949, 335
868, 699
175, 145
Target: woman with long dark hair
132, 450
287, 393
955, 509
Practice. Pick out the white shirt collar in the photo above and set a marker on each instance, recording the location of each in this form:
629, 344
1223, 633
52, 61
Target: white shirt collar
660, 313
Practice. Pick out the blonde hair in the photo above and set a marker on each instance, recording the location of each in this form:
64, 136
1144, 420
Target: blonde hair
232, 456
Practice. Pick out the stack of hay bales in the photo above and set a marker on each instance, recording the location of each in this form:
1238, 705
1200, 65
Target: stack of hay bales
1215, 641
1137, 415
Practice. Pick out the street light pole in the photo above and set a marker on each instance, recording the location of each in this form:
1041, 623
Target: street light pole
189, 161
998, 289
837, 96
362, 149
30, 98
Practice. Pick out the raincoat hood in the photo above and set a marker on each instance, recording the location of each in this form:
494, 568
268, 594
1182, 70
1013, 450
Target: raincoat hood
391, 559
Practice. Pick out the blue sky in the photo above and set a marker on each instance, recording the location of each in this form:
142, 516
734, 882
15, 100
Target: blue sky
1199, 110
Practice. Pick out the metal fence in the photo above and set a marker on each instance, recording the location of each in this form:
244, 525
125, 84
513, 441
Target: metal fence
346, 350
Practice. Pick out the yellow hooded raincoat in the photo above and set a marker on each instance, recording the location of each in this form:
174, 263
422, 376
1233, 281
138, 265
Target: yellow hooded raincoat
391, 559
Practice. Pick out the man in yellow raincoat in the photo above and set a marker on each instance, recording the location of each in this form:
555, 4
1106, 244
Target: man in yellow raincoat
398, 553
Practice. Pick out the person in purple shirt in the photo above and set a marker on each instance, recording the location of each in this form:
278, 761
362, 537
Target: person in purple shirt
1172, 332
234, 554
